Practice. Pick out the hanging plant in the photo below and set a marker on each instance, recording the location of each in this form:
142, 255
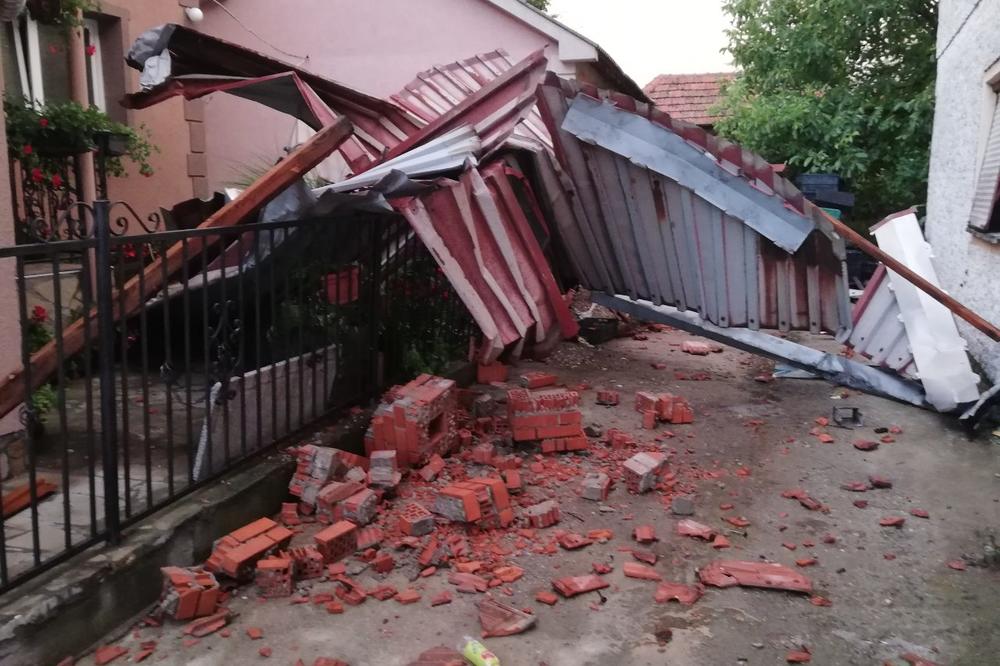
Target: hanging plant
67, 13
41, 138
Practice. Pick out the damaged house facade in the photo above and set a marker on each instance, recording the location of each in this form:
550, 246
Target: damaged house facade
963, 215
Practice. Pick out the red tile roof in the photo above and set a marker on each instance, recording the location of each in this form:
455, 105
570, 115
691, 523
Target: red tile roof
688, 96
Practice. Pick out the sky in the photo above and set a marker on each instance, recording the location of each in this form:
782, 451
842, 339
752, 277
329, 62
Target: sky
650, 37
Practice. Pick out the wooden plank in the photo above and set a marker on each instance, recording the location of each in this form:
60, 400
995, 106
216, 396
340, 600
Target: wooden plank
19, 499
45, 361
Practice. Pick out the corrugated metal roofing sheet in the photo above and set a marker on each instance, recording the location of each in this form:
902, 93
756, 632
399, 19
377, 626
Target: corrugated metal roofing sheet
671, 214
879, 334
482, 239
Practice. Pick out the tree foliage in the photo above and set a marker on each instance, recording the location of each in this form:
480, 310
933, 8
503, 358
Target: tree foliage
845, 86
539, 4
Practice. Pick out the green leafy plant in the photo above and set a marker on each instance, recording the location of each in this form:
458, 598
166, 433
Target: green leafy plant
843, 86
67, 13
539, 4
41, 138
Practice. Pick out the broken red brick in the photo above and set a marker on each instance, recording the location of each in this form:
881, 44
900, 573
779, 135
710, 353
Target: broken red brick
255, 633
892, 521
647, 556
543, 515
696, 348
499, 619
806, 562
721, 542
644, 534
415, 520
337, 541
861, 504
547, 598
825, 438
726, 573
636, 570
855, 487
334, 608
685, 594
108, 653
206, 625
441, 599
433, 467
865, 445
920, 513
649, 420
817, 600
265, 651
957, 565
383, 563
692, 528
798, 657
574, 585
468, 583
274, 577
573, 541
642, 471
408, 596
608, 398
601, 568
880, 482
512, 479
537, 379
737, 521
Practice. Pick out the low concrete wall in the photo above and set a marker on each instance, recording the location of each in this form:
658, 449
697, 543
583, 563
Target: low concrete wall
61, 612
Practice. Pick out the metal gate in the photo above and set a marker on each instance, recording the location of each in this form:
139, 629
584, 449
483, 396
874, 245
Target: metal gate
264, 330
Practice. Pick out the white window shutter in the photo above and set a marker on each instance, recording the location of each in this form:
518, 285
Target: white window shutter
989, 175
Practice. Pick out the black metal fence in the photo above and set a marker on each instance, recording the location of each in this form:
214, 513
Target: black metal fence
176, 355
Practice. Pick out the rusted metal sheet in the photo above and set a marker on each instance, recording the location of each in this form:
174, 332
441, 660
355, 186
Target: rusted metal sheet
673, 215
441, 88
878, 333
481, 238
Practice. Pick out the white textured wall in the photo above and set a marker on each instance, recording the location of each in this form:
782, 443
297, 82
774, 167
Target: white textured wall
968, 267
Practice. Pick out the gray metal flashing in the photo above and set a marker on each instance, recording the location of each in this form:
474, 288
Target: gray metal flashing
654, 147
833, 368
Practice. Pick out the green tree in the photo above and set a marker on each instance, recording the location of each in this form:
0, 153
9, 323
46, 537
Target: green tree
539, 4
845, 86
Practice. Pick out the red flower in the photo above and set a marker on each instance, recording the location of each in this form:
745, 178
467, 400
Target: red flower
57, 180
39, 315
43, 122
37, 175
91, 50
27, 149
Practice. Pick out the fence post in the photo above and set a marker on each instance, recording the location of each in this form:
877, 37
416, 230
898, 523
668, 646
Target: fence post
106, 365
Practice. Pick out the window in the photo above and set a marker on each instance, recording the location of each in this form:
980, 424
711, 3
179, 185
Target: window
36, 62
985, 214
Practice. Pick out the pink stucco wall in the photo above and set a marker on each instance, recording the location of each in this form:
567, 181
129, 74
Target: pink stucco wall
376, 46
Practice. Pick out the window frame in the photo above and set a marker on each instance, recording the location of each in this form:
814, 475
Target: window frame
988, 224
29, 61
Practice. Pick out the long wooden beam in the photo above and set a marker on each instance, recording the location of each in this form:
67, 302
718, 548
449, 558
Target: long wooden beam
903, 271
45, 361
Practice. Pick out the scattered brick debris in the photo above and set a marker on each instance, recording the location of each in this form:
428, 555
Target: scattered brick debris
727, 573
549, 414
547, 598
865, 445
601, 568
206, 625
641, 571
721, 542
892, 521
916, 660
737, 521
644, 534
188, 593
574, 585
880, 482
337, 541
642, 471
692, 528
861, 504
685, 594
855, 487
647, 556
802, 656
441, 599
696, 348
920, 513
608, 398
255, 633
236, 554
596, 486
108, 653
265, 651
499, 619
806, 562
957, 565
544, 514
408, 596
817, 600
274, 577
416, 421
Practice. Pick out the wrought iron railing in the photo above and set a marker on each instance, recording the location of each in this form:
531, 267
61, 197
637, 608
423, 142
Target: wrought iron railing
248, 336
